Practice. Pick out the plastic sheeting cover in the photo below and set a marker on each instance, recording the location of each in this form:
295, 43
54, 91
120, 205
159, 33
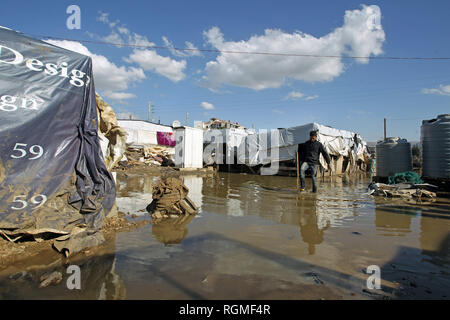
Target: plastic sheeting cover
336, 142
52, 173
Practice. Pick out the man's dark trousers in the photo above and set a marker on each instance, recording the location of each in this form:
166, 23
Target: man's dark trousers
303, 168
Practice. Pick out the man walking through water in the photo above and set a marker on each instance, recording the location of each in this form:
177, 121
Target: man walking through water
309, 153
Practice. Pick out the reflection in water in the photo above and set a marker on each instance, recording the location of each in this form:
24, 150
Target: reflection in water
393, 221
435, 240
172, 231
275, 198
195, 186
309, 229
134, 193
245, 240
241, 214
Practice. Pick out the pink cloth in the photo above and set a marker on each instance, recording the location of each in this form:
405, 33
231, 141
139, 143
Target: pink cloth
166, 138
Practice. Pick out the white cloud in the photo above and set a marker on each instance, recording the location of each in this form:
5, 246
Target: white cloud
123, 30
118, 95
151, 61
104, 17
441, 90
113, 37
294, 95
207, 106
147, 58
360, 35
109, 78
193, 51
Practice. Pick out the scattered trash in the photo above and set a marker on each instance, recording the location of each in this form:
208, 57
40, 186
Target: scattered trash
50, 279
109, 128
148, 155
402, 190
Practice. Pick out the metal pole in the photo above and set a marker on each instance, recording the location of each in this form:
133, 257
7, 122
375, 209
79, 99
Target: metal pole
384, 128
150, 111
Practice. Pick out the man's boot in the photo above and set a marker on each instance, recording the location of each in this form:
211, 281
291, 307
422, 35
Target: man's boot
302, 184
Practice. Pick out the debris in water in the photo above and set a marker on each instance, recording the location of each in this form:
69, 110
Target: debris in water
402, 190
170, 199
50, 279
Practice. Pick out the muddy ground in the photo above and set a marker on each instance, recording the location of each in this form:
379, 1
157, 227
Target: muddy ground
11, 253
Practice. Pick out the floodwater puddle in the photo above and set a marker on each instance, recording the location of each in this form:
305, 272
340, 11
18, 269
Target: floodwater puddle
256, 237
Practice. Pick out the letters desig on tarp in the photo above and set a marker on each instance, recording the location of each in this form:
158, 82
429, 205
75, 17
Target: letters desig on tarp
52, 172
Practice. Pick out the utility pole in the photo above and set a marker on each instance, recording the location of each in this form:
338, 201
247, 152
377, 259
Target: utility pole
150, 111
385, 129
187, 119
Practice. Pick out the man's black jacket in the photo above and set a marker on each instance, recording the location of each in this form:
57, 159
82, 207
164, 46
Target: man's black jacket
309, 152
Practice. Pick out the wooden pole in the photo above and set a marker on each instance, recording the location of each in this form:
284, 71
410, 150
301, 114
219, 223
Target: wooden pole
298, 172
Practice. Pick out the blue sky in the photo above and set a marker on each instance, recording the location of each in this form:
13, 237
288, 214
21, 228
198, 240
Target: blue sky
266, 91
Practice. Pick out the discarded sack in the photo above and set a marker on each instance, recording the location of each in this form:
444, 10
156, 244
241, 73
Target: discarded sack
170, 200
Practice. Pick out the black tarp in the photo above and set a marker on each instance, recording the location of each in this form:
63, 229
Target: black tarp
52, 173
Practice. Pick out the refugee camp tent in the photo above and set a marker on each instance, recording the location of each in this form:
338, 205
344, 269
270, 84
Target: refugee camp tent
53, 179
231, 138
281, 144
141, 132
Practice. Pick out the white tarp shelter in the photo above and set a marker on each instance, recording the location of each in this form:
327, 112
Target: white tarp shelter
234, 138
141, 132
281, 144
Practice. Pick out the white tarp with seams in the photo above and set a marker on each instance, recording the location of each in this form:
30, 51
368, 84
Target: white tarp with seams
266, 147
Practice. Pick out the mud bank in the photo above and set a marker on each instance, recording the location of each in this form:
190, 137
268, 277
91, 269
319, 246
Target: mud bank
138, 168
21, 252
